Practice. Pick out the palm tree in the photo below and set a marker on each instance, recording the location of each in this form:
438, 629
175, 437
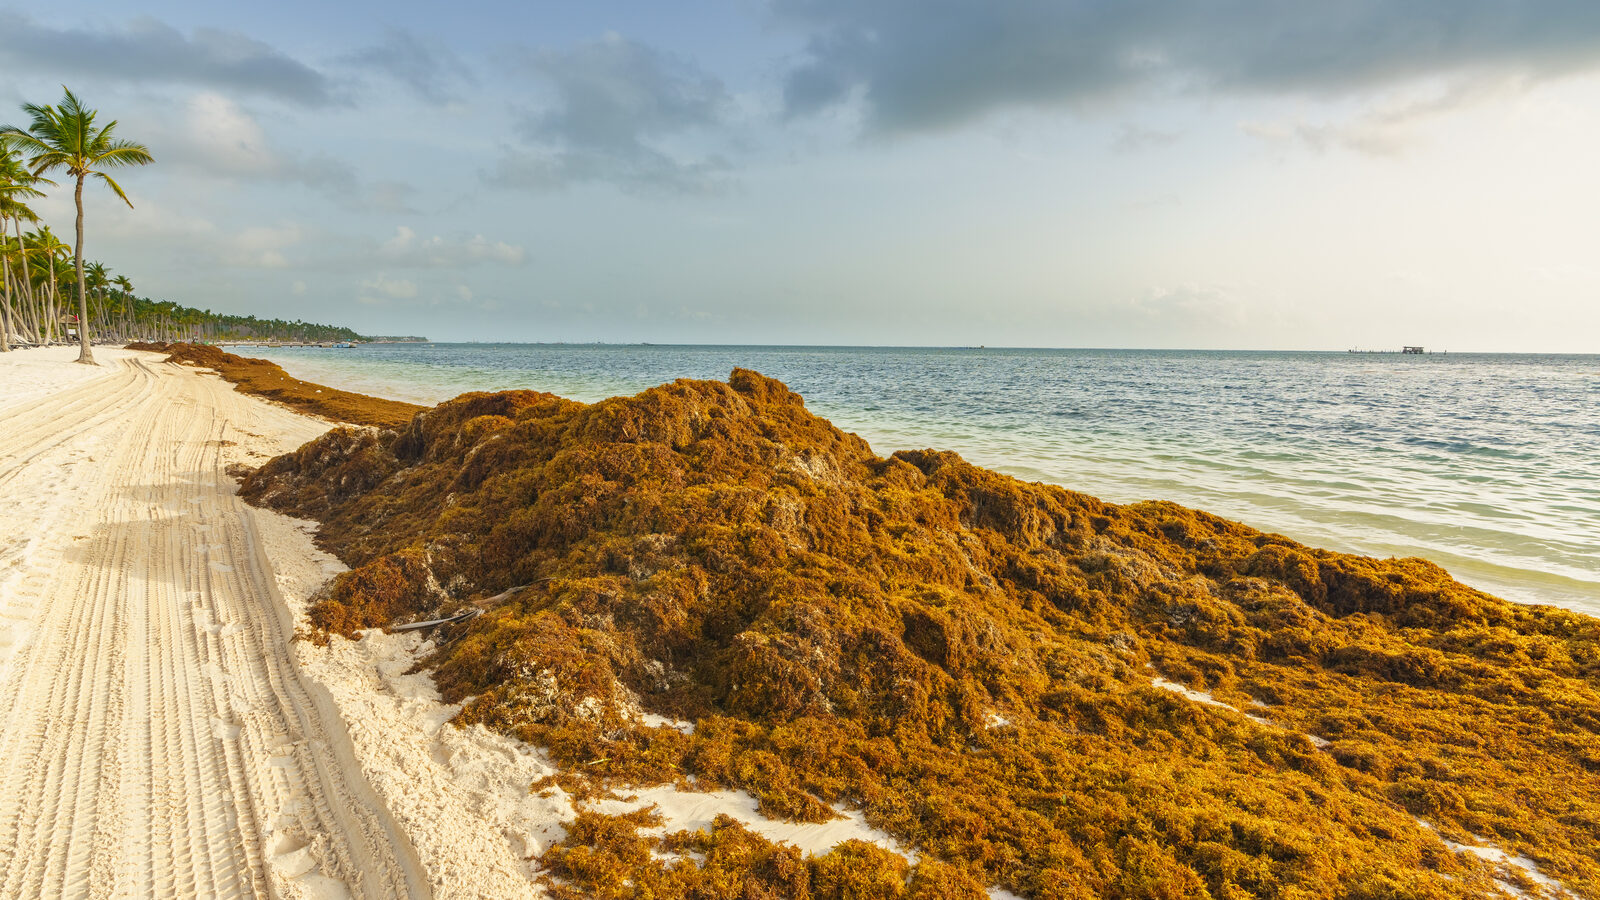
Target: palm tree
52, 254
16, 185
64, 137
124, 304
97, 277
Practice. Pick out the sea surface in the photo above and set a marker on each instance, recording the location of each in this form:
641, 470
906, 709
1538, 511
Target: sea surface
1488, 464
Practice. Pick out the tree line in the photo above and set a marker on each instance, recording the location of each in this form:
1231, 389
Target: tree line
48, 292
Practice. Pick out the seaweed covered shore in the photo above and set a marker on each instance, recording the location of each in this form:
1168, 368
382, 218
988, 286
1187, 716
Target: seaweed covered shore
267, 379
970, 659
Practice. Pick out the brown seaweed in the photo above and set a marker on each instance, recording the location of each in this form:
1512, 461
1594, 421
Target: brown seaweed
267, 379
964, 656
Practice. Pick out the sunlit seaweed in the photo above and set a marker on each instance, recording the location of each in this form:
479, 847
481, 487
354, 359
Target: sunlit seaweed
268, 379
964, 656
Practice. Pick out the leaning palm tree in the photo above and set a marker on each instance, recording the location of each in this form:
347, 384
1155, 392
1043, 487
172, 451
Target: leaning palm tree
16, 185
64, 137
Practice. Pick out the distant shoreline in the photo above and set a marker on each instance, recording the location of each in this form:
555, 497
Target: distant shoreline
957, 348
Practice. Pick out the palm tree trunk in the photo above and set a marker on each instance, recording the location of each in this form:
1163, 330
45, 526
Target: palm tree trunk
5, 310
85, 356
52, 309
26, 283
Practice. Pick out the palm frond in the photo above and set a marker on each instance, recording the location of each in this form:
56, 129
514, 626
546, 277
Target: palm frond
122, 153
114, 186
22, 142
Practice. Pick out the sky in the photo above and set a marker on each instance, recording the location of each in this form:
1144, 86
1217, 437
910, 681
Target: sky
1232, 174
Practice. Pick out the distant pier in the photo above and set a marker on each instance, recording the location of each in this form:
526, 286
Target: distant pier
1407, 350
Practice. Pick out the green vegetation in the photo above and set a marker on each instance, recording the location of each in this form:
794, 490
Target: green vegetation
37, 269
966, 657
65, 137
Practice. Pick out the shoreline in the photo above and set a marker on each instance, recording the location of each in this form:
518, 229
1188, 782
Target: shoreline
457, 797
1488, 541
508, 438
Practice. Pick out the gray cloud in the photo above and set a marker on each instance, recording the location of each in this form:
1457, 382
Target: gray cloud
929, 64
1134, 138
618, 108
430, 70
146, 50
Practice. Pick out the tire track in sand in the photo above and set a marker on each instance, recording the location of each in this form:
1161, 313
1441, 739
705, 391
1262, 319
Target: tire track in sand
156, 738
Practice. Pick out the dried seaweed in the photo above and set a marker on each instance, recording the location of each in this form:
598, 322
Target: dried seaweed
269, 380
964, 656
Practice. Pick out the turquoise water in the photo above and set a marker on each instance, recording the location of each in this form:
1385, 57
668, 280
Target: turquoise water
1486, 464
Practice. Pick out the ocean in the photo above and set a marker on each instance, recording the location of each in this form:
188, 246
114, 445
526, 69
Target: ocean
1487, 464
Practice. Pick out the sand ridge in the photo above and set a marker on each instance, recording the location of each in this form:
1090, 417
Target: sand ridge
156, 737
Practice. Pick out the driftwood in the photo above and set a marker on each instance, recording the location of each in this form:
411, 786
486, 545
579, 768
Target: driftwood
479, 607
488, 602
417, 626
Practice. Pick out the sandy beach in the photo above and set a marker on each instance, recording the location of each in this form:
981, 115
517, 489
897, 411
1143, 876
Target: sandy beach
162, 734
158, 739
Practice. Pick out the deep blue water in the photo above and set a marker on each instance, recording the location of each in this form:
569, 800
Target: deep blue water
1488, 464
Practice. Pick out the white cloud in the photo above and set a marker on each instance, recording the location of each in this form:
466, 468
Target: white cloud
218, 137
1394, 123
392, 288
298, 288
1188, 307
227, 137
261, 247
407, 248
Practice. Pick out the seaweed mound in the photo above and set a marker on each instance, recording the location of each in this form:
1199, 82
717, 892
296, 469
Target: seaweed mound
269, 380
976, 662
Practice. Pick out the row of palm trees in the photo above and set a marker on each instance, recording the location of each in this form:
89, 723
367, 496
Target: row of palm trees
38, 271
63, 138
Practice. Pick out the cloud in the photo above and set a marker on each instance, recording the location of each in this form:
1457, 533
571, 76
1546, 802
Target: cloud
919, 65
407, 249
619, 106
261, 247
383, 288
389, 197
218, 137
1134, 138
429, 69
202, 243
147, 50
1387, 128
1186, 308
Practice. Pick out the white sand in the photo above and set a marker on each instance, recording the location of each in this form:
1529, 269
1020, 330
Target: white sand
155, 737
